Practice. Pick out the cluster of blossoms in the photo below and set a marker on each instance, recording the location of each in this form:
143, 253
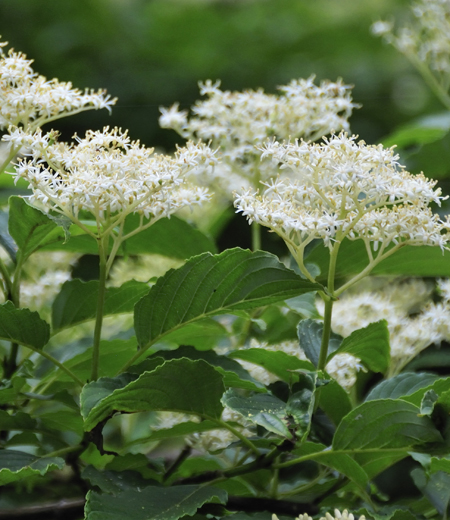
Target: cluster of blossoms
414, 320
30, 100
345, 515
344, 189
238, 122
426, 38
109, 176
342, 367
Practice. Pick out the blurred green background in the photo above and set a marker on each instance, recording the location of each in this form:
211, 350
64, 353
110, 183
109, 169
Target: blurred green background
153, 53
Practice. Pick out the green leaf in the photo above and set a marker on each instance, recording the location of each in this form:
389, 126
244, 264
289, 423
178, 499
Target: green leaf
279, 363
77, 301
384, 423
203, 334
171, 237
152, 503
263, 409
113, 355
370, 345
334, 401
63, 420
387, 513
338, 461
180, 385
31, 229
436, 487
440, 387
233, 373
208, 285
310, 338
23, 326
401, 385
407, 261
17, 465
93, 393
114, 482
17, 421
304, 305
421, 131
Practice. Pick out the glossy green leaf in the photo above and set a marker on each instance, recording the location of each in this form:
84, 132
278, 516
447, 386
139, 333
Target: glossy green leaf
279, 363
17, 465
23, 326
180, 385
370, 345
77, 301
310, 338
401, 385
263, 409
152, 503
30, 228
384, 423
214, 284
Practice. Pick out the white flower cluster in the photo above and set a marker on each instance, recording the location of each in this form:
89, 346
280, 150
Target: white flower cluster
345, 515
414, 320
342, 367
107, 174
238, 122
426, 38
30, 100
344, 189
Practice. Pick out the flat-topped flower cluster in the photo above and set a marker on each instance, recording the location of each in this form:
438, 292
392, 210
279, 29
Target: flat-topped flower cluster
30, 100
106, 173
239, 122
341, 189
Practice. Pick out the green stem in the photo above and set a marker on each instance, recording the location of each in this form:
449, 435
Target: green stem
256, 236
329, 299
325, 334
102, 253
